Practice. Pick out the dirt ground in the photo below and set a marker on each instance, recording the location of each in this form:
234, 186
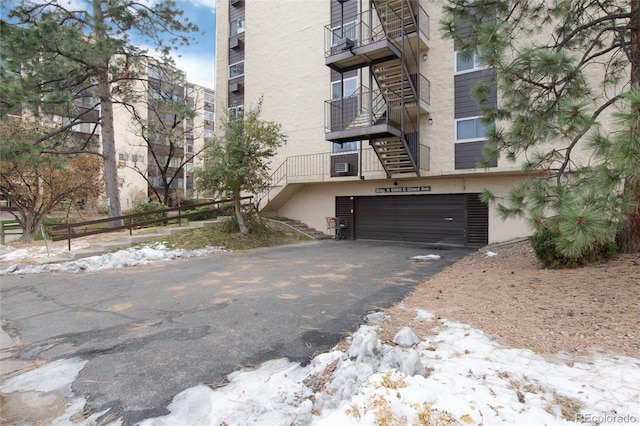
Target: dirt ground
510, 297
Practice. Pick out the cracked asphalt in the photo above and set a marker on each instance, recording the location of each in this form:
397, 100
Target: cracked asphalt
150, 332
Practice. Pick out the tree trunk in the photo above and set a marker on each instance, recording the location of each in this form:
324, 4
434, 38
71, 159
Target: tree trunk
238, 211
635, 41
106, 123
29, 227
628, 237
109, 147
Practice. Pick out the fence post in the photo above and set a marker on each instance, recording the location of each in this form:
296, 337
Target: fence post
1, 232
130, 226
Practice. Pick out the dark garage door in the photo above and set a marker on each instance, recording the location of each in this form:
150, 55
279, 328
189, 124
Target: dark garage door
422, 218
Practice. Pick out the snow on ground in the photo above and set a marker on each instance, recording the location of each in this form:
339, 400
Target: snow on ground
457, 376
133, 256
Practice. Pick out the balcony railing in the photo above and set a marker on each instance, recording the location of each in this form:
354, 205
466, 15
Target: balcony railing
371, 107
367, 29
316, 168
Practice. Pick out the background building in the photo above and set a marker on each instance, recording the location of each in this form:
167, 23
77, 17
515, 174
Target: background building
166, 143
376, 105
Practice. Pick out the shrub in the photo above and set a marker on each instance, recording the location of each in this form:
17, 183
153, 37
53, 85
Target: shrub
150, 207
546, 250
255, 224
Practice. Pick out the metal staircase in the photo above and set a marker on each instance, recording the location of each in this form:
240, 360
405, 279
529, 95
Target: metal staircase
393, 114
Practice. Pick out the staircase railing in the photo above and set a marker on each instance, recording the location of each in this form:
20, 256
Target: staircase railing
311, 168
367, 108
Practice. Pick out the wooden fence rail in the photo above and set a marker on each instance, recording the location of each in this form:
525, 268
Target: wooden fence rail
69, 231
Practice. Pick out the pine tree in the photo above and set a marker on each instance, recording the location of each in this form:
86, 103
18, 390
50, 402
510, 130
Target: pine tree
566, 74
74, 62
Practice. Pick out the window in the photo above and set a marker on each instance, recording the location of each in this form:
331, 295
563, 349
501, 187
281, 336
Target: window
350, 87
471, 129
123, 157
237, 26
337, 148
137, 158
188, 167
190, 148
154, 72
209, 116
349, 32
465, 63
236, 111
236, 70
208, 133
208, 98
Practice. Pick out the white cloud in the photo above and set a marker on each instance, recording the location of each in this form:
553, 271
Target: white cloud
206, 3
200, 68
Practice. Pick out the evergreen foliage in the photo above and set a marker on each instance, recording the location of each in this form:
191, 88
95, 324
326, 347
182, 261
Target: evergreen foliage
71, 61
567, 113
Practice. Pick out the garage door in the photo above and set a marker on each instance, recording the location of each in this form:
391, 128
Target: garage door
458, 219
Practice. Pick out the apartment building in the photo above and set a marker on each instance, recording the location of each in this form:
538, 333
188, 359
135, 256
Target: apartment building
382, 129
169, 144
139, 173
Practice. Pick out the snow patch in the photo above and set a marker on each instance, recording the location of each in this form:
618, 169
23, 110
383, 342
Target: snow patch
426, 257
133, 256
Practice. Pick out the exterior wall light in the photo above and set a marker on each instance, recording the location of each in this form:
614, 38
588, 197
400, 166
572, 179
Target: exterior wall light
430, 120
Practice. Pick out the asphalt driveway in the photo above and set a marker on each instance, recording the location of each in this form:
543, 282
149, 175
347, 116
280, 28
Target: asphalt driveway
150, 332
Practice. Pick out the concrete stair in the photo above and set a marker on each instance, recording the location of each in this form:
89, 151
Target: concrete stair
301, 228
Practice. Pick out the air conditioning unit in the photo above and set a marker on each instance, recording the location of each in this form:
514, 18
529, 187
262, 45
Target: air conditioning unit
234, 2
346, 43
234, 43
234, 87
240, 110
342, 167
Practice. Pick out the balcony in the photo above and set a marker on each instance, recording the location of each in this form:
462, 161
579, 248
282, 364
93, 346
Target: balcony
375, 36
374, 114
301, 170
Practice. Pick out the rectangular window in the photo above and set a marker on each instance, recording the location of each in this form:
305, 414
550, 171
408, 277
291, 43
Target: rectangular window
137, 158
209, 116
237, 26
208, 98
123, 157
236, 111
236, 70
350, 32
208, 133
350, 87
343, 148
470, 129
466, 63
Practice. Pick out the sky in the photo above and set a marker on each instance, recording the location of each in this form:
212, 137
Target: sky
455, 374
198, 59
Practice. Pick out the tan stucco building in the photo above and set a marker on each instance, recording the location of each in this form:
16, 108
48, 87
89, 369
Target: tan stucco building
382, 131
